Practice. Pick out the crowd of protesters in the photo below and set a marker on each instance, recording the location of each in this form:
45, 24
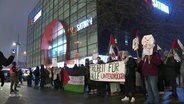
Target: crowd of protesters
45, 77
157, 73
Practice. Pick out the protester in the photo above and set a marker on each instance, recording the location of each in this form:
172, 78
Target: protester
182, 72
113, 88
13, 78
130, 66
150, 65
43, 76
36, 73
20, 75
30, 78
101, 86
170, 69
2, 78
92, 84
87, 77
4, 62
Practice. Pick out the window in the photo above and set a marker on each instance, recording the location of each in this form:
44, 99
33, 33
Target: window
92, 49
82, 52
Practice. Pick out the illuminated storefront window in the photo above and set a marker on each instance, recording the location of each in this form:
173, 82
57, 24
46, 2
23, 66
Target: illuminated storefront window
58, 45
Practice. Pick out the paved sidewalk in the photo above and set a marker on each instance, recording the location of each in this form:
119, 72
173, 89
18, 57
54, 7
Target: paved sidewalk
51, 96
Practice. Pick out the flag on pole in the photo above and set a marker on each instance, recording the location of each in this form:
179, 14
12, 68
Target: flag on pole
177, 50
158, 47
112, 53
66, 77
181, 45
112, 46
113, 41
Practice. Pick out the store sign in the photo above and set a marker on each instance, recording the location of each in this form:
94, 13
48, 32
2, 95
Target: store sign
37, 16
161, 6
84, 24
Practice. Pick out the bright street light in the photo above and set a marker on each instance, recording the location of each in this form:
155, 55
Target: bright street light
17, 44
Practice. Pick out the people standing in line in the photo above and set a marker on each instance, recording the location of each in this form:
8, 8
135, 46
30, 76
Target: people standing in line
13, 77
150, 66
130, 76
20, 76
143, 86
2, 78
182, 72
56, 72
61, 78
36, 73
4, 62
43, 76
101, 86
30, 77
87, 77
170, 69
113, 88
92, 84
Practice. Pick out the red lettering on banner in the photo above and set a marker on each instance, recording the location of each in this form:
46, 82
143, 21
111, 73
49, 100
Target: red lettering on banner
117, 76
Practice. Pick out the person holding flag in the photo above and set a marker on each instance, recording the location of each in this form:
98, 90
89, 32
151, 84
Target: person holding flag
170, 69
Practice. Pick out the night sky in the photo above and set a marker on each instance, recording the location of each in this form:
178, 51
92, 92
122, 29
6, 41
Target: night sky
13, 21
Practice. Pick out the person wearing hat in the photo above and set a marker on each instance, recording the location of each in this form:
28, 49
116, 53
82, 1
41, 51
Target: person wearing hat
4, 62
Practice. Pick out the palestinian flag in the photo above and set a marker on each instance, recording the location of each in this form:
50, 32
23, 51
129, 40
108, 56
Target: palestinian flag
177, 50
66, 77
73, 83
112, 53
113, 41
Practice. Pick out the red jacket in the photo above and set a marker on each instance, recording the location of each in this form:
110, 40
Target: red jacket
151, 67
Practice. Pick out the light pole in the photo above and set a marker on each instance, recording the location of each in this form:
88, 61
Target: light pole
17, 44
25, 55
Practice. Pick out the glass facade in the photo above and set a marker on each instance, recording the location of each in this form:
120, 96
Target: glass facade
89, 26
75, 14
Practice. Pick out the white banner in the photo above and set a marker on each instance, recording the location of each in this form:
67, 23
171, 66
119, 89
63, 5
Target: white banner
110, 72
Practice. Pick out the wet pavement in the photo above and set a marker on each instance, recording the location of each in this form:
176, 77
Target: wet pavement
29, 95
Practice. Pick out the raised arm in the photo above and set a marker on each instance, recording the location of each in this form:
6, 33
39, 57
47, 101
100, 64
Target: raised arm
4, 61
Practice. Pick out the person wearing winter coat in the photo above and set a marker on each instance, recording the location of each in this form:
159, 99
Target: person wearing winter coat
4, 62
130, 76
150, 66
170, 70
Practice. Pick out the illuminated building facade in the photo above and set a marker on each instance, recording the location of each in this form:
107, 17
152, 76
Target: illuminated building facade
70, 29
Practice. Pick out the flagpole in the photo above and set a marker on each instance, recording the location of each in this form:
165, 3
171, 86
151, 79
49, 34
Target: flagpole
118, 51
137, 52
168, 56
109, 46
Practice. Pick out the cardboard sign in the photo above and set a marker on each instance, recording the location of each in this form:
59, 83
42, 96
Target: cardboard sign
148, 43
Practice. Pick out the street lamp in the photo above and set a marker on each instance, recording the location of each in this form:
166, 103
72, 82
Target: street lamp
25, 55
17, 44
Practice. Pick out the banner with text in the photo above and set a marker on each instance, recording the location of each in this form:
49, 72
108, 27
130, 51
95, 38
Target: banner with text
110, 72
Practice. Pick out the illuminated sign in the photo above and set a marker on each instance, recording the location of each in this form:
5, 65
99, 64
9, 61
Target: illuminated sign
37, 16
161, 6
84, 24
